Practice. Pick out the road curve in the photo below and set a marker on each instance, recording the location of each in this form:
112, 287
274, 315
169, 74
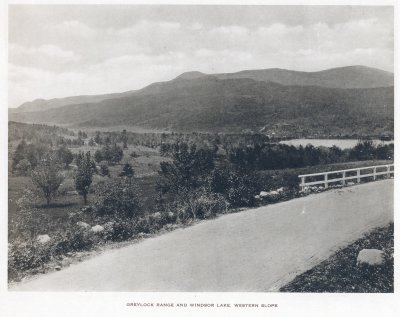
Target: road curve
254, 250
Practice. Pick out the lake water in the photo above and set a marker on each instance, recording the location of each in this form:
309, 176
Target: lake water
341, 143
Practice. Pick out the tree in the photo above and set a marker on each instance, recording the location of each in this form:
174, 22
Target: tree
127, 171
82, 134
107, 140
19, 153
47, 176
65, 155
84, 174
364, 150
98, 156
116, 153
118, 196
104, 171
124, 139
188, 170
98, 139
91, 142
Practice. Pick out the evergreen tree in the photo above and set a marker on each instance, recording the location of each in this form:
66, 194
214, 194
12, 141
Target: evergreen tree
127, 171
84, 174
124, 139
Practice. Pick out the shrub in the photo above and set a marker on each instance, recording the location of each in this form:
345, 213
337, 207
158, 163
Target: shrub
104, 170
197, 204
23, 168
142, 225
117, 196
80, 239
238, 187
24, 256
127, 171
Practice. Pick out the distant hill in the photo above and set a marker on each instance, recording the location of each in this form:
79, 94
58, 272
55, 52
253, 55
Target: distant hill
43, 104
343, 77
211, 103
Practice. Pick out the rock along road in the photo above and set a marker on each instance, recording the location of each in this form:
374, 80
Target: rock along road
254, 250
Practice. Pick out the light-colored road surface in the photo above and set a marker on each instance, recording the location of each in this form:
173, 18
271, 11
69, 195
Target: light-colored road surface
254, 250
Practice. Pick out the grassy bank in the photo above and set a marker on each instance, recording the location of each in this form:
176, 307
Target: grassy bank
339, 273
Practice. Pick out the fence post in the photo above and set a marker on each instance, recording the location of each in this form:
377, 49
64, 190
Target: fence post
344, 178
374, 173
388, 171
302, 183
358, 176
326, 180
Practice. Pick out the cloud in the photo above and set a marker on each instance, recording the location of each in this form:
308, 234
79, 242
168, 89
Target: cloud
47, 51
81, 59
145, 27
75, 28
230, 30
28, 83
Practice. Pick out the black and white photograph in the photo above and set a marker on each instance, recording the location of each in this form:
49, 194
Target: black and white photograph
200, 148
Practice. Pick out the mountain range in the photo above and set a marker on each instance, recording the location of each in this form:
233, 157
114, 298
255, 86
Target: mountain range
353, 100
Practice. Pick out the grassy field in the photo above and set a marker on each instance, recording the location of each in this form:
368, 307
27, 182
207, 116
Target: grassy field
340, 274
146, 164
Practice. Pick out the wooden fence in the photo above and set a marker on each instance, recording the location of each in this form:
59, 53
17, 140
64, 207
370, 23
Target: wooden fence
361, 172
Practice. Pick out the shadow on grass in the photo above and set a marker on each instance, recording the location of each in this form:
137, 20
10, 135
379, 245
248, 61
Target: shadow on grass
58, 205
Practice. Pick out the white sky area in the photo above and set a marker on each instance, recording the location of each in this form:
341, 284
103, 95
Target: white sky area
58, 51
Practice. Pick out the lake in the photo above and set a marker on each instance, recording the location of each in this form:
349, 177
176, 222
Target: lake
341, 143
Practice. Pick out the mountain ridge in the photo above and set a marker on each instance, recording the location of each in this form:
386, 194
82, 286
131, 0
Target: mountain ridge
210, 104
347, 77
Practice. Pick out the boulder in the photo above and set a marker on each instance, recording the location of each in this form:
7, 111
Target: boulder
86, 209
43, 238
83, 225
157, 215
97, 229
264, 194
370, 257
109, 225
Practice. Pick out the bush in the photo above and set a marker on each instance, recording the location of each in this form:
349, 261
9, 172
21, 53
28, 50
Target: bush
197, 204
127, 171
23, 256
120, 229
104, 170
74, 239
238, 187
117, 196
23, 168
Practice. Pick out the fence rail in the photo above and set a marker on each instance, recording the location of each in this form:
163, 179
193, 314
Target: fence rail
371, 171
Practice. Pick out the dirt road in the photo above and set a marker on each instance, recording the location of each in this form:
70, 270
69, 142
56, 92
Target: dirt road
254, 250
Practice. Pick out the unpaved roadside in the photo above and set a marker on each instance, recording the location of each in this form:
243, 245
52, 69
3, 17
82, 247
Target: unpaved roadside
254, 250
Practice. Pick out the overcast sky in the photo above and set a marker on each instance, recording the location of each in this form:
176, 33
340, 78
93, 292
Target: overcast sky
58, 51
